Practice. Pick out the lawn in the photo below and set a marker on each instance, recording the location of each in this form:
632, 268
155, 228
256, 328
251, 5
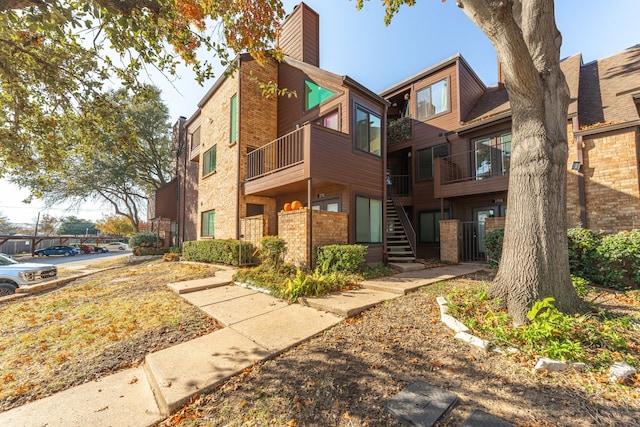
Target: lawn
93, 326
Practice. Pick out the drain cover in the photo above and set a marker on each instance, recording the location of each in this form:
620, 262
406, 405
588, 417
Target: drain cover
421, 404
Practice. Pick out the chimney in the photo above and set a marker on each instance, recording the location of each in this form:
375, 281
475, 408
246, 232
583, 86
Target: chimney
300, 35
500, 74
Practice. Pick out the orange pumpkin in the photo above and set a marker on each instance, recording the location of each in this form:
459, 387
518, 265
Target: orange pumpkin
287, 207
295, 205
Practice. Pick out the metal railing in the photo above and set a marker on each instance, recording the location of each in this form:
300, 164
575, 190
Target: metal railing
284, 152
485, 162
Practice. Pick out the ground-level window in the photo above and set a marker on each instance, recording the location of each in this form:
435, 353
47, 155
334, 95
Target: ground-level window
429, 223
368, 132
368, 220
208, 223
209, 160
331, 205
424, 160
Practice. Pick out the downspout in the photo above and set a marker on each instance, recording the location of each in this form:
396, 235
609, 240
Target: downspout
581, 190
238, 142
310, 219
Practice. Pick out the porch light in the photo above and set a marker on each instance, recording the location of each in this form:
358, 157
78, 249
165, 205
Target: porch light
575, 166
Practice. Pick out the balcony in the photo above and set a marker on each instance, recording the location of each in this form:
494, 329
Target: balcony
312, 151
479, 171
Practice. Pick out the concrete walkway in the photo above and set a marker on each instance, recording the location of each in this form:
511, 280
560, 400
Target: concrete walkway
257, 327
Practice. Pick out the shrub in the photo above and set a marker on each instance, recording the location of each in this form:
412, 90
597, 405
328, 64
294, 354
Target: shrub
620, 258
231, 252
399, 130
272, 250
143, 251
145, 239
493, 244
341, 258
584, 260
175, 250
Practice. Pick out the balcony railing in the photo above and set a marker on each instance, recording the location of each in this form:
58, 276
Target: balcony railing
284, 152
399, 185
484, 162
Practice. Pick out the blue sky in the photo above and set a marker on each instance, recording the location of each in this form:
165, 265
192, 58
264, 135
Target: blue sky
358, 44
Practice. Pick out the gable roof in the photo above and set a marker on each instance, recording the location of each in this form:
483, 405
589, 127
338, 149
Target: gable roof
494, 104
610, 88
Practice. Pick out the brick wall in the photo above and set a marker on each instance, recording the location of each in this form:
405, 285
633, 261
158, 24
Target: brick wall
573, 192
449, 240
253, 228
292, 228
496, 223
329, 228
611, 181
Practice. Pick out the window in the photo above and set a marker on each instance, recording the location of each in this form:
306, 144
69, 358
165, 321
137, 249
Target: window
429, 223
331, 121
331, 205
368, 220
424, 160
209, 162
368, 135
315, 95
492, 155
233, 124
208, 222
433, 99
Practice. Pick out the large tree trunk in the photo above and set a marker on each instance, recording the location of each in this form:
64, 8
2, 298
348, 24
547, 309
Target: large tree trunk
535, 261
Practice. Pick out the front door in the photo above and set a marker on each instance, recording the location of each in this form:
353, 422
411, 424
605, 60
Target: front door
480, 216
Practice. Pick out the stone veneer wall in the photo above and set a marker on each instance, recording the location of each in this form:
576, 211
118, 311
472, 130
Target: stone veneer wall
450, 240
329, 228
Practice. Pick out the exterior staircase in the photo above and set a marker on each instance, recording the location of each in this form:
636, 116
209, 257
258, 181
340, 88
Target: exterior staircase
400, 241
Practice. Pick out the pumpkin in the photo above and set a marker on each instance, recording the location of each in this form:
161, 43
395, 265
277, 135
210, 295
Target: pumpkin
287, 207
295, 205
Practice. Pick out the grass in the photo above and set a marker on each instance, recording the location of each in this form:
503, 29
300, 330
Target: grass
48, 334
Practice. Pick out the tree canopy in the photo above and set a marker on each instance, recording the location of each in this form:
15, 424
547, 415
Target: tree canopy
60, 54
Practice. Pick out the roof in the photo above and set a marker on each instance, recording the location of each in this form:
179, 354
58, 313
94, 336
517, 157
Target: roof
431, 70
609, 89
494, 103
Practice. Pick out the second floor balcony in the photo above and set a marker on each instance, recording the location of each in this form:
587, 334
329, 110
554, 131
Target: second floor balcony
484, 169
312, 151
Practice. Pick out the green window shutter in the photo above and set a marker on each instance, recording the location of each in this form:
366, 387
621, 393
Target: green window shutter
233, 134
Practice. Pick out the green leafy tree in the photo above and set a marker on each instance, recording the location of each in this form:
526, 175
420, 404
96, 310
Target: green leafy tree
72, 225
535, 261
58, 54
123, 154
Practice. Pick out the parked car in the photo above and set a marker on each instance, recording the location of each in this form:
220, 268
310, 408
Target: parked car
86, 249
117, 245
14, 274
56, 250
6, 255
100, 249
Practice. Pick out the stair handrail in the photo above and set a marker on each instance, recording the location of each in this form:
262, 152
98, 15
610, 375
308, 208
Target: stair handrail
406, 224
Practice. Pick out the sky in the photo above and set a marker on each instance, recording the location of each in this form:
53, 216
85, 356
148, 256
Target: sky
358, 44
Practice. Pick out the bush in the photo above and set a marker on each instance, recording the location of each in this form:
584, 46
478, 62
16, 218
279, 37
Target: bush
272, 250
142, 251
493, 244
583, 258
399, 130
175, 250
619, 255
341, 258
145, 239
231, 252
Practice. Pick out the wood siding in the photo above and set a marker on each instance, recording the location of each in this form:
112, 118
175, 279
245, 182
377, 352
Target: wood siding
300, 35
470, 90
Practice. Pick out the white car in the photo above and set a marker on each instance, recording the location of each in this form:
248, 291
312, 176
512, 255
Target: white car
117, 245
14, 274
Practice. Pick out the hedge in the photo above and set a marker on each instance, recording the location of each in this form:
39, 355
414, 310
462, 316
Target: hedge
231, 252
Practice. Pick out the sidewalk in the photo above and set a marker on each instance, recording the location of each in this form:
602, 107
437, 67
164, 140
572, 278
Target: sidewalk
257, 327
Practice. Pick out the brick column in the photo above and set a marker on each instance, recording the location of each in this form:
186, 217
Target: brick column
450, 240
495, 223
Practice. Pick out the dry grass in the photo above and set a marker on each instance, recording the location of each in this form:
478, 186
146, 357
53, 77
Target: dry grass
93, 326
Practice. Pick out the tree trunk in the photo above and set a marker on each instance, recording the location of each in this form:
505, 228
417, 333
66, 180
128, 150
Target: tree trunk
535, 260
